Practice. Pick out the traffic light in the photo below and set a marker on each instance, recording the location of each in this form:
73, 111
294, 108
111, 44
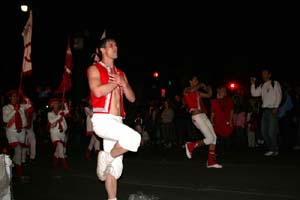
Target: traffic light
155, 74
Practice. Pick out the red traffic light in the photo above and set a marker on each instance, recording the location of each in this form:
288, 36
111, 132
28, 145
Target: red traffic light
155, 74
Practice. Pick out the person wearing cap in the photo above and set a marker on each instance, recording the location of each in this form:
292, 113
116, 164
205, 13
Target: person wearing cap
15, 121
108, 85
58, 127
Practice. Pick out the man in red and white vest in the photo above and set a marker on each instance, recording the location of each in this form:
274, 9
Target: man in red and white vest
193, 99
15, 119
108, 84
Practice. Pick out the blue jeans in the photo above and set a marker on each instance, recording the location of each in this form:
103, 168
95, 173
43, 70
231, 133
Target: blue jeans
269, 129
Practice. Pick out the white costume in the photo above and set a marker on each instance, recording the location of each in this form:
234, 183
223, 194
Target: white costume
94, 141
112, 130
58, 128
16, 138
30, 139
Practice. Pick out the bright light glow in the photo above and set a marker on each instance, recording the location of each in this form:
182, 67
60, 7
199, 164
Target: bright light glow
233, 86
163, 92
155, 74
24, 8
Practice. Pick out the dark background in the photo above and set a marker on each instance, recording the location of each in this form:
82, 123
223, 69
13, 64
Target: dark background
219, 42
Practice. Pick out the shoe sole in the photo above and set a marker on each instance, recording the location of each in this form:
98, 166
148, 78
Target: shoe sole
215, 166
188, 154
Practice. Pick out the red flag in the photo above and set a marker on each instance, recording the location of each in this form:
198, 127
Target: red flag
27, 33
66, 83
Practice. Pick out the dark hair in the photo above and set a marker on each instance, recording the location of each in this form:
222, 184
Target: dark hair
266, 68
195, 76
103, 42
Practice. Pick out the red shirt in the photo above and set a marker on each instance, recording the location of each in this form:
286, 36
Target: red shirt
194, 101
221, 108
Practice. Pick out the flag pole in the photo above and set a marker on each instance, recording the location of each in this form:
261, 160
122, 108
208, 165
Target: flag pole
20, 85
64, 83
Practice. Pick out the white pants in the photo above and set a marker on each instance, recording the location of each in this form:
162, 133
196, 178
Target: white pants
5, 177
16, 140
112, 130
59, 139
204, 125
30, 141
251, 138
94, 143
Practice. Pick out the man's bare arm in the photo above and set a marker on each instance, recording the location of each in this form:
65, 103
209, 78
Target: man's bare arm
130, 96
192, 88
207, 93
95, 85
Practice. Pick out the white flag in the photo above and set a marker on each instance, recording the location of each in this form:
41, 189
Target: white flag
27, 33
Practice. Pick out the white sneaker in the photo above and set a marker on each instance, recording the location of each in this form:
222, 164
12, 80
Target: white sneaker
216, 166
104, 160
271, 153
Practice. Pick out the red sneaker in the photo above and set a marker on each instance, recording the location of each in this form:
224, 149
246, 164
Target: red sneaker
189, 147
65, 164
55, 162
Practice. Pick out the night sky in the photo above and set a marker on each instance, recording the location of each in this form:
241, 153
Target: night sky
217, 42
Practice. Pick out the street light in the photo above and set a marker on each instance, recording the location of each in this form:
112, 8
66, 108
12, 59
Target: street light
155, 74
24, 8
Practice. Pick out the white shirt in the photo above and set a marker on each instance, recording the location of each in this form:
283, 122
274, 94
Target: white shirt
271, 96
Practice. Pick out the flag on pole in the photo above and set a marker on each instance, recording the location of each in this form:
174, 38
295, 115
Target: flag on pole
27, 33
96, 58
66, 83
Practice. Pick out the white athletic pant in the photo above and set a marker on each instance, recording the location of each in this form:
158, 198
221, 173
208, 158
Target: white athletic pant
16, 140
30, 141
60, 141
112, 130
94, 143
251, 138
204, 125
